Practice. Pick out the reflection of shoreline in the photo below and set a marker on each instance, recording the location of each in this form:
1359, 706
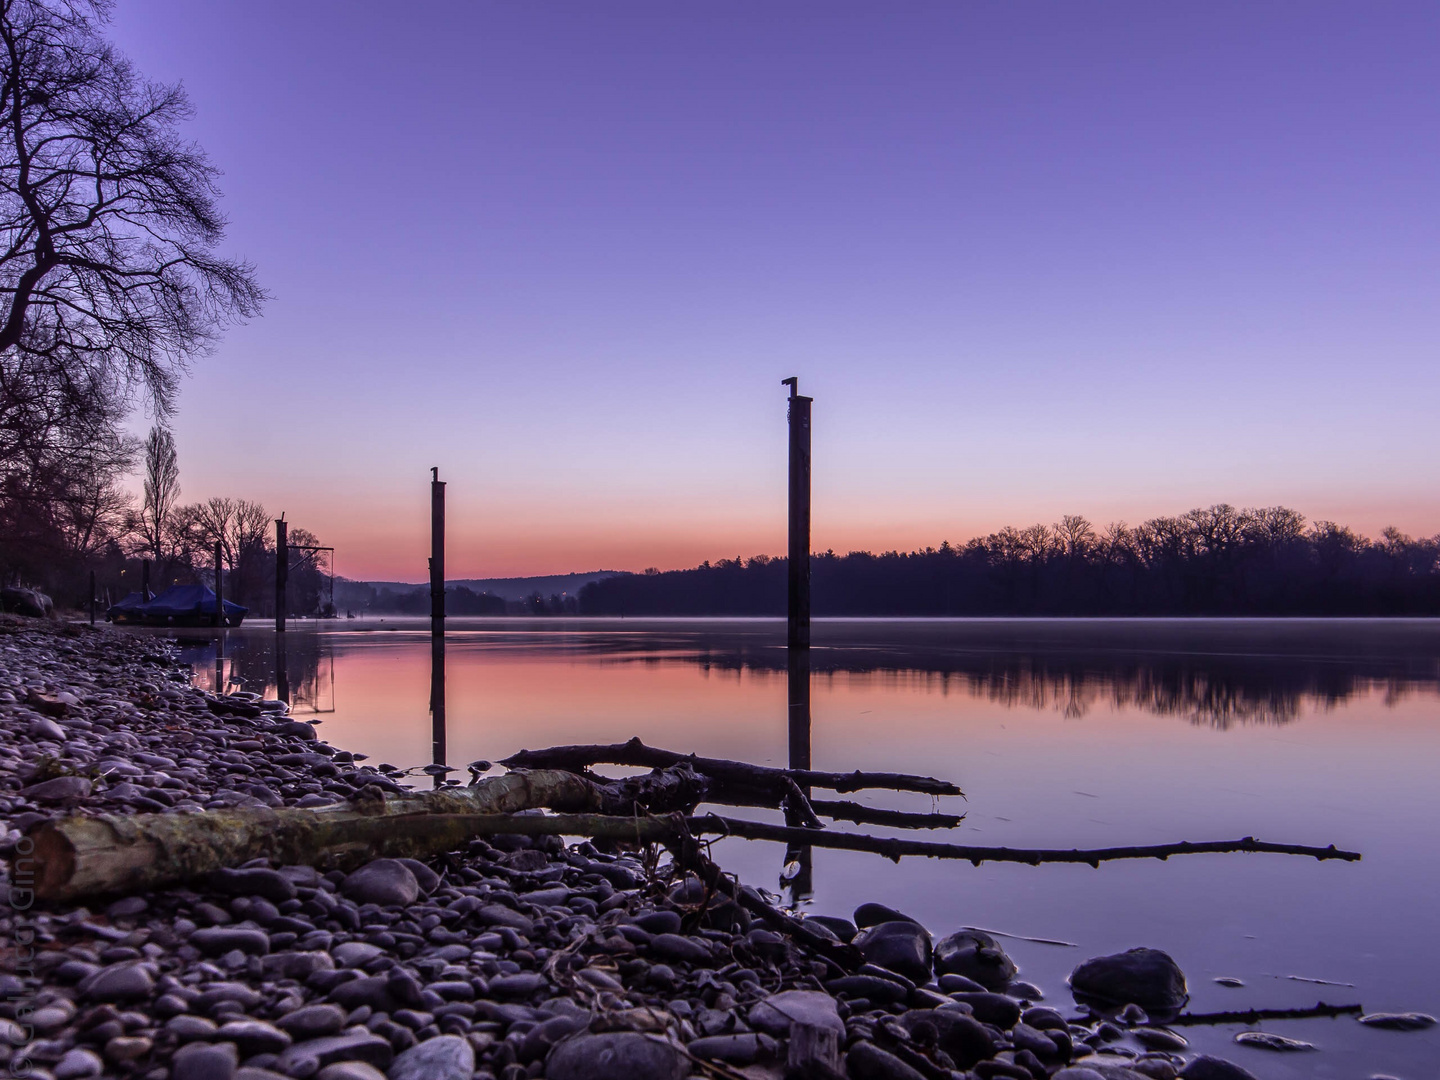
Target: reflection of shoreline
1212, 672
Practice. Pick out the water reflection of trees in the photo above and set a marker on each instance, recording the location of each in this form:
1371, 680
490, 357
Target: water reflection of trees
244, 662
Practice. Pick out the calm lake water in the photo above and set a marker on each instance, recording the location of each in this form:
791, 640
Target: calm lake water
1063, 733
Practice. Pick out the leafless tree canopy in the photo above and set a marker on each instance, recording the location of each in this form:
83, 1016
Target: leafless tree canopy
110, 281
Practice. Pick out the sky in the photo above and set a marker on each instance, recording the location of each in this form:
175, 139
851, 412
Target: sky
1115, 259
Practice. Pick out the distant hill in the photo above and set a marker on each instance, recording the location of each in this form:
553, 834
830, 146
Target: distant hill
401, 596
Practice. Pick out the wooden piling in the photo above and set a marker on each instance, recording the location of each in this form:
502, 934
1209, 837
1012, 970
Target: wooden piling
92, 597
219, 598
145, 582
798, 607
282, 572
437, 553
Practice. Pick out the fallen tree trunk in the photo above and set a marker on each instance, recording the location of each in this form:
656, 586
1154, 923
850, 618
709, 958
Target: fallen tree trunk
723, 774
84, 856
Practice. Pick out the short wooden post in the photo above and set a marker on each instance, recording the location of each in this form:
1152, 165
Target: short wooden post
145, 582
282, 573
219, 598
92, 597
437, 553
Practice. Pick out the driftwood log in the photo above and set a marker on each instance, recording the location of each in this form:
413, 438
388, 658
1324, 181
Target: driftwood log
95, 855
756, 783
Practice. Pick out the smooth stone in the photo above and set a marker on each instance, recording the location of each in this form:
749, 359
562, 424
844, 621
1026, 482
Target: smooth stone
128, 908
500, 915
374, 992
977, 956
1078, 1072
359, 1046
77, 1064
776, 1013
187, 1029
312, 1021
355, 953
952, 984
1159, 1038
124, 1049
521, 984
255, 1036
869, 987
1206, 1067
296, 965
843, 929
219, 940
1407, 1021
677, 948
960, 1035
427, 879
991, 1008
866, 1061
1268, 1040
386, 882
619, 1055
257, 881
1145, 977
127, 981
349, 1070
202, 1061
254, 1072
58, 790
745, 1048
445, 1057
874, 914
901, 946
659, 922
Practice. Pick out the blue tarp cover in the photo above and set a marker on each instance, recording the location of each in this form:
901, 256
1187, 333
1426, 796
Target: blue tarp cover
176, 602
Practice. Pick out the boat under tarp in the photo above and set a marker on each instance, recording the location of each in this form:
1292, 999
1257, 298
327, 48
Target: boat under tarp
179, 605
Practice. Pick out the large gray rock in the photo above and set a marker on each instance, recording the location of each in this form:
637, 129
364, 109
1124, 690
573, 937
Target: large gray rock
902, 947
1144, 977
618, 1055
387, 882
975, 955
445, 1057
777, 1012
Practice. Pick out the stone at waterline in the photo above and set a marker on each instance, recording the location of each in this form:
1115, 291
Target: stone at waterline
1206, 1067
445, 1057
776, 1013
872, 914
387, 882
1268, 1040
899, 946
975, 955
1145, 977
1408, 1021
619, 1055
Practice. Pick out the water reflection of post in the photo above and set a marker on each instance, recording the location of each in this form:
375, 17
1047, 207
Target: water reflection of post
282, 679
220, 662
437, 702
799, 858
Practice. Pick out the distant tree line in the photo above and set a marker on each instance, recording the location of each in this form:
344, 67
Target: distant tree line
1215, 561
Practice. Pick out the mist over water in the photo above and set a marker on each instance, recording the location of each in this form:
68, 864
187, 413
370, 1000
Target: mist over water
1062, 733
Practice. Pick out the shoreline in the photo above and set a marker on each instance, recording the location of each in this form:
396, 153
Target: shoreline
511, 959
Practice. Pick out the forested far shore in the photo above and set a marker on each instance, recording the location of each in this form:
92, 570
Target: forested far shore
1215, 561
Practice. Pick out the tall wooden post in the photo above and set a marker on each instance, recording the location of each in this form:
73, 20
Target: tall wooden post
798, 608
219, 597
282, 573
437, 553
92, 597
145, 582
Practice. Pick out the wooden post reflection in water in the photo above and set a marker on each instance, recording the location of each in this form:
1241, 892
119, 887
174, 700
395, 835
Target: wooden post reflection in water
282, 679
801, 884
437, 702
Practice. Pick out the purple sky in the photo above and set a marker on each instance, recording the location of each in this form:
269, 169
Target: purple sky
1030, 259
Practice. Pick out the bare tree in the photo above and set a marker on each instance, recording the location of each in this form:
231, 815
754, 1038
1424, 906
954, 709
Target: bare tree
162, 488
109, 278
